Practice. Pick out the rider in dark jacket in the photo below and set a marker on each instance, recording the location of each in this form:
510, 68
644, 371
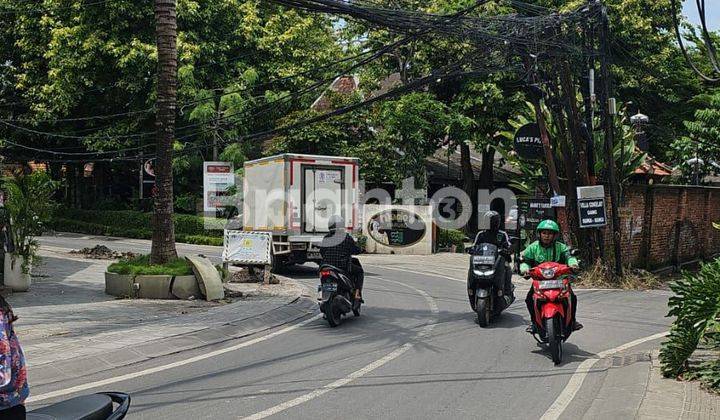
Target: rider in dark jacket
495, 236
337, 249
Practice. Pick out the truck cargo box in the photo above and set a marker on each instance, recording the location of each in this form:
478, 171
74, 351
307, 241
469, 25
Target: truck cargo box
294, 195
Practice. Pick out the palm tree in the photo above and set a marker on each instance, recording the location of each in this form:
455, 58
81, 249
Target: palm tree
163, 238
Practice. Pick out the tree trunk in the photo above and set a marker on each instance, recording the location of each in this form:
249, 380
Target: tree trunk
469, 186
163, 238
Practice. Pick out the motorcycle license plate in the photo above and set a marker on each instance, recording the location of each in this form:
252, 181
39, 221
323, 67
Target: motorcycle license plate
329, 287
551, 284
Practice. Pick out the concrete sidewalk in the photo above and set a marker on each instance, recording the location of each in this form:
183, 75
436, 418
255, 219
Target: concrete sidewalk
67, 317
671, 399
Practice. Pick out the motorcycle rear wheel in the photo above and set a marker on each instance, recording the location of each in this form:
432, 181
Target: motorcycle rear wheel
554, 340
332, 313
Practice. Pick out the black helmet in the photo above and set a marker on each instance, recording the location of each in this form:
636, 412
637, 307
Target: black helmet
336, 222
492, 220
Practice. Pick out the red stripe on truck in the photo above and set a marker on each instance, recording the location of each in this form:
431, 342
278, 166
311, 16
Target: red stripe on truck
292, 167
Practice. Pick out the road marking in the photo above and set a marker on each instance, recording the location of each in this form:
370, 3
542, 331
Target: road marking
133, 375
431, 273
358, 373
563, 400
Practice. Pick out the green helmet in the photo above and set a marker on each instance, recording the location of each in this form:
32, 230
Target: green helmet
548, 225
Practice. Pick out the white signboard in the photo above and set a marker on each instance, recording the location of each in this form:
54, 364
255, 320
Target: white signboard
247, 247
218, 177
557, 201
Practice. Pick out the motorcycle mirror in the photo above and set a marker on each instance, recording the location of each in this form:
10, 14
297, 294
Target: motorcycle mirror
466, 239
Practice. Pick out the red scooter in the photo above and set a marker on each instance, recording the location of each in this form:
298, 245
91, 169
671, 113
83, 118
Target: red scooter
553, 311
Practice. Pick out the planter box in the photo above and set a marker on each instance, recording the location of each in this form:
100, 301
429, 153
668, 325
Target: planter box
120, 285
13, 276
154, 287
151, 287
185, 287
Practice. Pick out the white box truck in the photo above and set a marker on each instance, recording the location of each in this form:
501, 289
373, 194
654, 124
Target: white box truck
293, 196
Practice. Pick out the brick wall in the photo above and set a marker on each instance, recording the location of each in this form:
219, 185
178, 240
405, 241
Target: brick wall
667, 225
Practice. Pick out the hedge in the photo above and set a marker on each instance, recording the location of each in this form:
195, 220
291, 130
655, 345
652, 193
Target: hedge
132, 224
449, 237
185, 224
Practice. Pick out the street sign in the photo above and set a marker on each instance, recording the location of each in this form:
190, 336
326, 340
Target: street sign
218, 178
246, 247
396, 228
534, 211
557, 201
592, 213
528, 143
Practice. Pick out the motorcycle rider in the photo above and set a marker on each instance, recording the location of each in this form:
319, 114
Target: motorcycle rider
547, 249
337, 249
495, 236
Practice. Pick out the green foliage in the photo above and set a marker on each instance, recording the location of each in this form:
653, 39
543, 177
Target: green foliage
703, 140
362, 242
29, 207
127, 223
186, 203
696, 307
449, 237
200, 240
627, 157
141, 266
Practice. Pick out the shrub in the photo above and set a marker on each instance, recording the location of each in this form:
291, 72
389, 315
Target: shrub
141, 266
449, 237
200, 240
127, 223
696, 306
28, 208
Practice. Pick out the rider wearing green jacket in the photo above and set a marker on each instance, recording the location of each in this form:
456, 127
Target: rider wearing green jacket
547, 249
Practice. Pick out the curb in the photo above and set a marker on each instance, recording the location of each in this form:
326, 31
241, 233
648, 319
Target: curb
53, 372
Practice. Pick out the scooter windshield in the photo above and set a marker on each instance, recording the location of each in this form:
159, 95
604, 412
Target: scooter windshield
485, 254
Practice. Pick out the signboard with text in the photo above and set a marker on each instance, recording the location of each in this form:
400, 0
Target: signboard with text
528, 143
592, 213
534, 211
218, 179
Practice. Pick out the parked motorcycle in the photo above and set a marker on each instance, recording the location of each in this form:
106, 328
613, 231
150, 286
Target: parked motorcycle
553, 311
102, 406
336, 294
489, 270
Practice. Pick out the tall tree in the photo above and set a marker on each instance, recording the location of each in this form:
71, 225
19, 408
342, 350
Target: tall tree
163, 238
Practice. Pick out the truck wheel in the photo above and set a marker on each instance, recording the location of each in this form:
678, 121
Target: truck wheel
278, 265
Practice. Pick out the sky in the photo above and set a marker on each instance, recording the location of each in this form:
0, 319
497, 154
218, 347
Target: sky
712, 13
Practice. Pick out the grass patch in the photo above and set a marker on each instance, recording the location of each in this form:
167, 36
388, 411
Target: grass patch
600, 276
141, 266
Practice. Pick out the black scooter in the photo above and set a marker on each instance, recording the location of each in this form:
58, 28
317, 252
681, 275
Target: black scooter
488, 272
102, 406
336, 294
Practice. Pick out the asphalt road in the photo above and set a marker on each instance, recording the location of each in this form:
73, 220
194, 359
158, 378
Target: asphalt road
416, 352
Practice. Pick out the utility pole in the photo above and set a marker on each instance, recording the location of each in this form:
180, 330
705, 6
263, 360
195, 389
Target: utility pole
216, 125
608, 112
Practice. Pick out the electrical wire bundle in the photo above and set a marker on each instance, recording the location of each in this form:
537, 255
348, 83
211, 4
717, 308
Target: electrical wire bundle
496, 43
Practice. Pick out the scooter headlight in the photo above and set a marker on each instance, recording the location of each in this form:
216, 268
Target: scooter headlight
548, 273
483, 272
